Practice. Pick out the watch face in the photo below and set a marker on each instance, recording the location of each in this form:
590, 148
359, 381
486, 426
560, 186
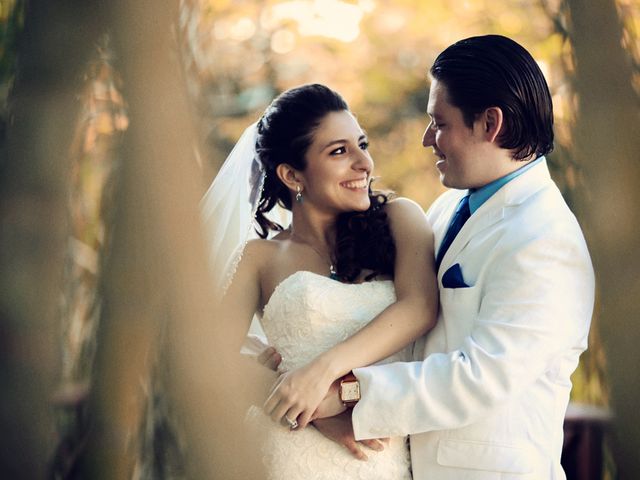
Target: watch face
350, 391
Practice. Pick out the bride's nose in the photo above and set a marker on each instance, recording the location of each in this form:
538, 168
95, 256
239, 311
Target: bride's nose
362, 162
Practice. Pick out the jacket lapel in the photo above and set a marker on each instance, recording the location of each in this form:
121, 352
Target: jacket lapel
441, 222
479, 221
493, 210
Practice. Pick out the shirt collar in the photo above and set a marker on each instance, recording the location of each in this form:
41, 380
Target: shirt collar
478, 196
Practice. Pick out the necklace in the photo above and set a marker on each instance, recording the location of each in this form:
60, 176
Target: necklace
333, 274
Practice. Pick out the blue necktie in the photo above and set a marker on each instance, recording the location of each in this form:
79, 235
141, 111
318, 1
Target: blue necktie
462, 215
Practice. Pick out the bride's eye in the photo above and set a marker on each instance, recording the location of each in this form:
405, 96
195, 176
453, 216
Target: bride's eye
364, 145
338, 151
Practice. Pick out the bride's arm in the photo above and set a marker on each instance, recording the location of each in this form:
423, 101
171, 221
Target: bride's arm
233, 319
299, 392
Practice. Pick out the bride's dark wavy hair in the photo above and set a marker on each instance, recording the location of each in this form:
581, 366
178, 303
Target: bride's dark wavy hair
285, 132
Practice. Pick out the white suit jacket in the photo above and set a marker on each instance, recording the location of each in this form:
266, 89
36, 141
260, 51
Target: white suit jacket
486, 396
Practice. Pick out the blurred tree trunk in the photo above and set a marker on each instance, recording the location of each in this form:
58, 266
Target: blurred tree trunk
607, 141
43, 107
156, 280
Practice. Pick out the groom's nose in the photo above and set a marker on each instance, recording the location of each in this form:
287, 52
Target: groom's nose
428, 137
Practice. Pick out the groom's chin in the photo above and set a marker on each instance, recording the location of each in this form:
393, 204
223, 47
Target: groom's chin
446, 181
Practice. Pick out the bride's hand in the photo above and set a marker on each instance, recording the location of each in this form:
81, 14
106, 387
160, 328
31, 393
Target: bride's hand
297, 394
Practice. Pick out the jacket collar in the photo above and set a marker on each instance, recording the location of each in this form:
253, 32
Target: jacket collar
514, 193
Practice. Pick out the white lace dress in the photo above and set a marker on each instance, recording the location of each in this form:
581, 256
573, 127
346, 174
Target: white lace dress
306, 315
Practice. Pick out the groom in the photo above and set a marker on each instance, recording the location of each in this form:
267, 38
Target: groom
486, 396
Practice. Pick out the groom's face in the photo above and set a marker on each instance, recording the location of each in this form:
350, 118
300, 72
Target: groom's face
460, 150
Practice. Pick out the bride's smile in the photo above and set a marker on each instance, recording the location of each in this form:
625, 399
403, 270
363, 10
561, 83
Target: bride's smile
356, 184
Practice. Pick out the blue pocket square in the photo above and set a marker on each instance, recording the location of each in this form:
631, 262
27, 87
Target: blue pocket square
453, 278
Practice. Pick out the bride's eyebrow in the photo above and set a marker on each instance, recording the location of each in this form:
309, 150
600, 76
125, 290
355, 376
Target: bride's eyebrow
333, 142
343, 140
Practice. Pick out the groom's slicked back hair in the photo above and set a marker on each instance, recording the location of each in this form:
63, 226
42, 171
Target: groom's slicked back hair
494, 71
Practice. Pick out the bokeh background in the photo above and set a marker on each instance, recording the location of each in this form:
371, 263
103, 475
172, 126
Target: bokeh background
115, 118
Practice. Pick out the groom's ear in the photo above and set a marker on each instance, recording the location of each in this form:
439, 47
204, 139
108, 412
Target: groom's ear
492, 120
289, 176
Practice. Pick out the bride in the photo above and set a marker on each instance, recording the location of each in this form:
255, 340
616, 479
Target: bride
348, 283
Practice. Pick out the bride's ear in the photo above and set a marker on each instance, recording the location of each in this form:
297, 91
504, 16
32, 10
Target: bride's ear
289, 176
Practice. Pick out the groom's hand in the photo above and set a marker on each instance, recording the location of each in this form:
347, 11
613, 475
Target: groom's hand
270, 358
256, 347
340, 430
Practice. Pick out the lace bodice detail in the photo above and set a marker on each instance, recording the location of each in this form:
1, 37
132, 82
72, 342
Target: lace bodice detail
306, 315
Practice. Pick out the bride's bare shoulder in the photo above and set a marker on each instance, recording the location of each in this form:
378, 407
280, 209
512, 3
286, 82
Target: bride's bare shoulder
403, 210
263, 251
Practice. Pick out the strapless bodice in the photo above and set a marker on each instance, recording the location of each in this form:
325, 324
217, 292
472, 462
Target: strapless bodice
308, 314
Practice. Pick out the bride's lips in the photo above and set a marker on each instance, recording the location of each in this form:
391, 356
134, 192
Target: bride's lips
359, 184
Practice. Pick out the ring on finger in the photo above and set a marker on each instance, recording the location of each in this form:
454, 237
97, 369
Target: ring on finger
293, 424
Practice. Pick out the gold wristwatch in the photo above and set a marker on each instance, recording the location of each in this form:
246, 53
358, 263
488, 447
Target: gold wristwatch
349, 390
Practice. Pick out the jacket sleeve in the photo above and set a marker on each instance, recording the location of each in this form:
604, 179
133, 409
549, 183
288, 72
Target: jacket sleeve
536, 305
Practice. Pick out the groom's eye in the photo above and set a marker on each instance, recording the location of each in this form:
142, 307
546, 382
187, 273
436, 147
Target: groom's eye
435, 125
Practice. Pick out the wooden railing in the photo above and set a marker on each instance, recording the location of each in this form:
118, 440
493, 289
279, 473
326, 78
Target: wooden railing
585, 427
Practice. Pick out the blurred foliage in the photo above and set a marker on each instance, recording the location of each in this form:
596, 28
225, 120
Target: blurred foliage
11, 23
629, 11
96, 139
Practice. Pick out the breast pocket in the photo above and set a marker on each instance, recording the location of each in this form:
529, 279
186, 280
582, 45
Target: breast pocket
460, 308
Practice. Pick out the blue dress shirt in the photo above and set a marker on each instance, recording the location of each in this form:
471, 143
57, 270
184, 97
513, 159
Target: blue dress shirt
480, 195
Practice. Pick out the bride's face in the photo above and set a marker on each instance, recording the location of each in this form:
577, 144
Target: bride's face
339, 166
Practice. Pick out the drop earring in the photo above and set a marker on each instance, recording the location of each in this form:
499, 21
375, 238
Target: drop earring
299, 197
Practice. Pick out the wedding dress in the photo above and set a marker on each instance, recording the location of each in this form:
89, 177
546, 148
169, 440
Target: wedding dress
306, 315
